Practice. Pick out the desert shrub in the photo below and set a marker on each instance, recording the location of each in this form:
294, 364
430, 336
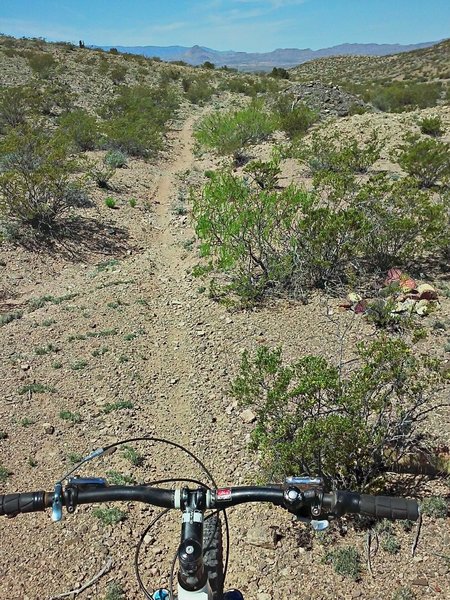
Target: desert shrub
229, 133
404, 593
81, 129
350, 425
435, 506
115, 159
197, 90
264, 174
329, 153
279, 73
431, 126
14, 106
54, 98
111, 202
427, 160
136, 119
249, 86
118, 73
208, 65
346, 561
400, 96
403, 222
36, 182
294, 117
264, 239
42, 63
100, 173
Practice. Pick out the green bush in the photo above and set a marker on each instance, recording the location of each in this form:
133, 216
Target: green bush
81, 129
346, 561
326, 153
404, 593
403, 96
290, 240
348, 425
14, 107
100, 174
229, 133
279, 73
197, 91
435, 506
109, 516
294, 117
431, 126
42, 64
136, 119
115, 159
53, 98
264, 174
427, 160
118, 74
115, 592
36, 178
4, 473
390, 544
402, 222
250, 86
110, 203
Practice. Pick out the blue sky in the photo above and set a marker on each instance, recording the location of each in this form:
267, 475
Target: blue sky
247, 25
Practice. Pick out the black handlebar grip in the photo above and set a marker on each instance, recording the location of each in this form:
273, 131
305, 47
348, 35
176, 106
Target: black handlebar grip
13, 504
386, 507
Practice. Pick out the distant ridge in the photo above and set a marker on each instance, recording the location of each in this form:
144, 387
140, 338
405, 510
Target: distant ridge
253, 61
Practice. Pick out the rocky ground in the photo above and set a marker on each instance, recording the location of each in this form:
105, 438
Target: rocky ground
121, 336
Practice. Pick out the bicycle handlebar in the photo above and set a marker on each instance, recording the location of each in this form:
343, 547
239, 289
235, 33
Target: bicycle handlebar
336, 503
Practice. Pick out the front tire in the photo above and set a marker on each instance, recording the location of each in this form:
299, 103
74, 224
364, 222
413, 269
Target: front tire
213, 554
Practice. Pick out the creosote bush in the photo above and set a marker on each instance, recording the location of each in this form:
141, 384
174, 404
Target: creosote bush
294, 117
14, 107
268, 240
198, 90
229, 133
137, 118
427, 160
36, 178
348, 425
403, 96
329, 153
81, 129
42, 63
431, 126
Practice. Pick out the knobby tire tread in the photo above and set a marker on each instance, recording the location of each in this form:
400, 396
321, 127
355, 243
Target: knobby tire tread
213, 555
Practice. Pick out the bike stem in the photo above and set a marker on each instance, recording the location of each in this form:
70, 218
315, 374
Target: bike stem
192, 575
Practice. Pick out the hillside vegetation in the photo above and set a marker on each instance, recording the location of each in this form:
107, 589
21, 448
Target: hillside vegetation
253, 266
427, 64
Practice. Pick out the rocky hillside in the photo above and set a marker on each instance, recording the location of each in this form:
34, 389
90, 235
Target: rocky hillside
427, 64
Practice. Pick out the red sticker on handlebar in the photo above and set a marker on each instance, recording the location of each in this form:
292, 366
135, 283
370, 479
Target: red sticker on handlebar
223, 494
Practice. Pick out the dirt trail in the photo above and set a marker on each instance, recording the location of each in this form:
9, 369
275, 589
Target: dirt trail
172, 290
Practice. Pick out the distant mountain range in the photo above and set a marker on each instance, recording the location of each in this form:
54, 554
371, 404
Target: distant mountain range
254, 61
